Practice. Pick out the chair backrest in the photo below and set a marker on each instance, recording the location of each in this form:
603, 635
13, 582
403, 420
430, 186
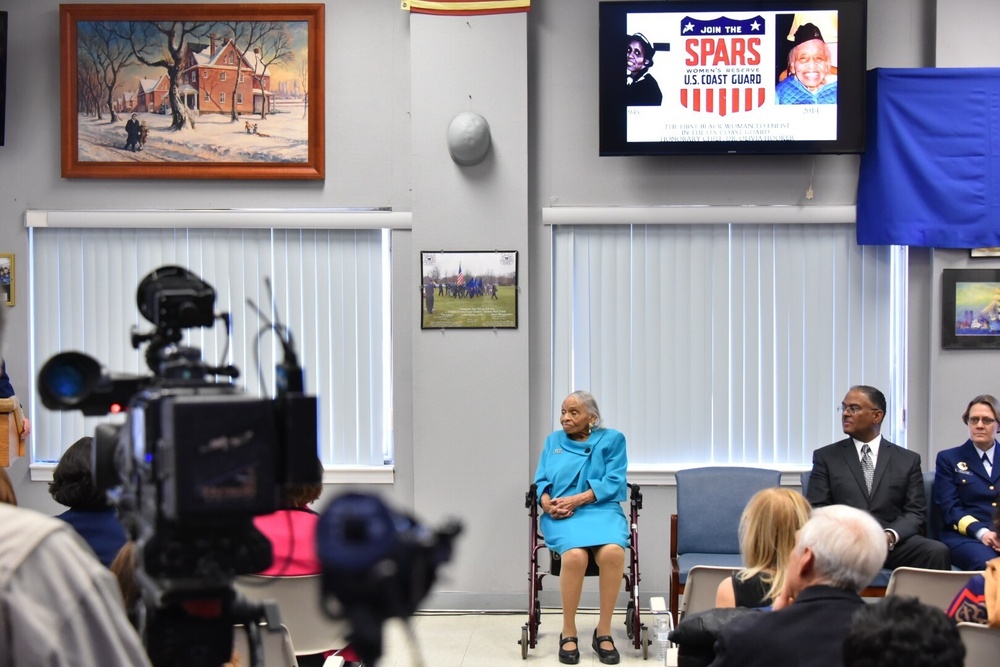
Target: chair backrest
298, 598
710, 502
934, 587
933, 519
277, 646
805, 481
982, 644
699, 590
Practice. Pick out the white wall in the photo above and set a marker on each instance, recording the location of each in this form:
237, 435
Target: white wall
393, 82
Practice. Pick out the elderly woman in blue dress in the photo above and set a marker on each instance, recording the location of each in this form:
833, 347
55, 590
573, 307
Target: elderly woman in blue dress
581, 483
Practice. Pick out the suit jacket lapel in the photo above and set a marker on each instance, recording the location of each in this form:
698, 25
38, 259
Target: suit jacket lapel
883, 461
854, 465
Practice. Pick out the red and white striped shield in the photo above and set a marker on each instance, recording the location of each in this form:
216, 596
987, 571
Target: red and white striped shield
722, 101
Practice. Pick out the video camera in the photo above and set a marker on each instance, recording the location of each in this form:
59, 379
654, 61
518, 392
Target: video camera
197, 459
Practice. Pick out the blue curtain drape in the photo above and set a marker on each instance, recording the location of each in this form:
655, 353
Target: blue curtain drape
930, 175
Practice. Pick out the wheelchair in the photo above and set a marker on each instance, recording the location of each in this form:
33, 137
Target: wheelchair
636, 631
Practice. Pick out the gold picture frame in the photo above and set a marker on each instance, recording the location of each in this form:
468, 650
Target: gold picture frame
7, 279
226, 91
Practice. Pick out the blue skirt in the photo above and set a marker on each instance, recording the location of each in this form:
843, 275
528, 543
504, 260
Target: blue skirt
591, 525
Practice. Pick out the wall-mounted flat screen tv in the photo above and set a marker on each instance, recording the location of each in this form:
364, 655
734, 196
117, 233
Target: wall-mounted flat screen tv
751, 77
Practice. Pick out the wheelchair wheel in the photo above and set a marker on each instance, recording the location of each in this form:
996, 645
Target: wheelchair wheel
630, 620
524, 642
645, 643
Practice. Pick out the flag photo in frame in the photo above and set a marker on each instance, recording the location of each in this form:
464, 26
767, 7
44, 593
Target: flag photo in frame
468, 290
7, 279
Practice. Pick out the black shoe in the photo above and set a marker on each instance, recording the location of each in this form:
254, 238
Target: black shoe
569, 657
608, 657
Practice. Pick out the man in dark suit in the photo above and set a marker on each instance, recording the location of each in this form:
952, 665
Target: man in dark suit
836, 554
892, 489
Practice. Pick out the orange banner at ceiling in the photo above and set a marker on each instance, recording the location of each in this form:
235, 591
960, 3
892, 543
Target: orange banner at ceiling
466, 7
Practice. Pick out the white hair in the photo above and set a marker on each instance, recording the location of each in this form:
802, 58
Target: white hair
848, 544
590, 403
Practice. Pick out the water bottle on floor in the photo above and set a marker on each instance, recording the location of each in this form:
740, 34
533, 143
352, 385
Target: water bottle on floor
662, 625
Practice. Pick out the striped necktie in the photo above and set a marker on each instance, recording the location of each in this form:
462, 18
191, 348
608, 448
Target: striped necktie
866, 466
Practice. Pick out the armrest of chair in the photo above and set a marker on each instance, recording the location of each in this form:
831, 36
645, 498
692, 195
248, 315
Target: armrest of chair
675, 571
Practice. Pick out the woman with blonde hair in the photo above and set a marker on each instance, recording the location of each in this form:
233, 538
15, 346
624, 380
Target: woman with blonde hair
767, 536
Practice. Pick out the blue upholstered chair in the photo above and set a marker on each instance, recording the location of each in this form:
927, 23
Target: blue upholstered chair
705, 530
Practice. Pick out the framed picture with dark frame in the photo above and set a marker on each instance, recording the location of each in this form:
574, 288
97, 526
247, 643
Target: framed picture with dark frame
228, 91
970, 308
470, 289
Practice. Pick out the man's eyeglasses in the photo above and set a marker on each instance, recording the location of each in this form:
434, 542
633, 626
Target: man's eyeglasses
986, 421
852, 409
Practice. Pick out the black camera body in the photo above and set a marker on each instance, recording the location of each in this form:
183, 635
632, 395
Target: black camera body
195, 464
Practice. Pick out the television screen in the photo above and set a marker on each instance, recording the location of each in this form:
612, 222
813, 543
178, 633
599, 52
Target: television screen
752, 77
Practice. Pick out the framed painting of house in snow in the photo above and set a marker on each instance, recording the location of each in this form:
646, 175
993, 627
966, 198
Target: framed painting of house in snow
230, 91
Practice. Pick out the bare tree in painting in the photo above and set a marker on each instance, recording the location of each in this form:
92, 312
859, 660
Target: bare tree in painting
110, 54
304, 85
87, 87
275, 48
162, 44
247, 37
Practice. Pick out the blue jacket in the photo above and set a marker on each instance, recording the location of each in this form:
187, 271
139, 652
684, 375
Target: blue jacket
964, 493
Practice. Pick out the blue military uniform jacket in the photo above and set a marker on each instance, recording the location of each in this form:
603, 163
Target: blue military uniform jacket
964, 493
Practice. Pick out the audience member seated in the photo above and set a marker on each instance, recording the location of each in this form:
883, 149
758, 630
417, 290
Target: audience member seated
767, 536
965, 482
870, 473
979, 600
292, 532
836, 554
7, 494
902, 632
58, 605
123, 567
89, 512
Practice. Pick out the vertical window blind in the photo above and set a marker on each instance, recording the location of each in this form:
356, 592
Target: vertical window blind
726, 344
328, 289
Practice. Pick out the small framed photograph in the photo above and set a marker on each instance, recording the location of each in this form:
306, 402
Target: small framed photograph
7, 279
468, 290
984, 252
970, 308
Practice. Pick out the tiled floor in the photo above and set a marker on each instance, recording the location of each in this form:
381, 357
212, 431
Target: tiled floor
486, 640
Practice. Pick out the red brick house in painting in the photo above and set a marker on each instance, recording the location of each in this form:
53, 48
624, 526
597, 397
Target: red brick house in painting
151, 94
208, 75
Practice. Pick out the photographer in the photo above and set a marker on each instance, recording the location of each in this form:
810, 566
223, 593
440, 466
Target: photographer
58, 604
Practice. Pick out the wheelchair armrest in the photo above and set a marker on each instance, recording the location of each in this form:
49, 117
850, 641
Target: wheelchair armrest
531, 497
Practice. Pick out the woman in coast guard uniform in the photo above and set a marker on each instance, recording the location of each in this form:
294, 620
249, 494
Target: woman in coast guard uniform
966, 480
581, 483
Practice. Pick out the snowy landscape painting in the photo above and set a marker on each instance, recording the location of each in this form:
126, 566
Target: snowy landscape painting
192, 91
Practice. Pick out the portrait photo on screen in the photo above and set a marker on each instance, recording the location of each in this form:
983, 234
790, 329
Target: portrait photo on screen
757, 76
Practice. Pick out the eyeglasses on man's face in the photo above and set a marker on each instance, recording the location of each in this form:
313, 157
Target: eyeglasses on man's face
986, 421
852, 409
